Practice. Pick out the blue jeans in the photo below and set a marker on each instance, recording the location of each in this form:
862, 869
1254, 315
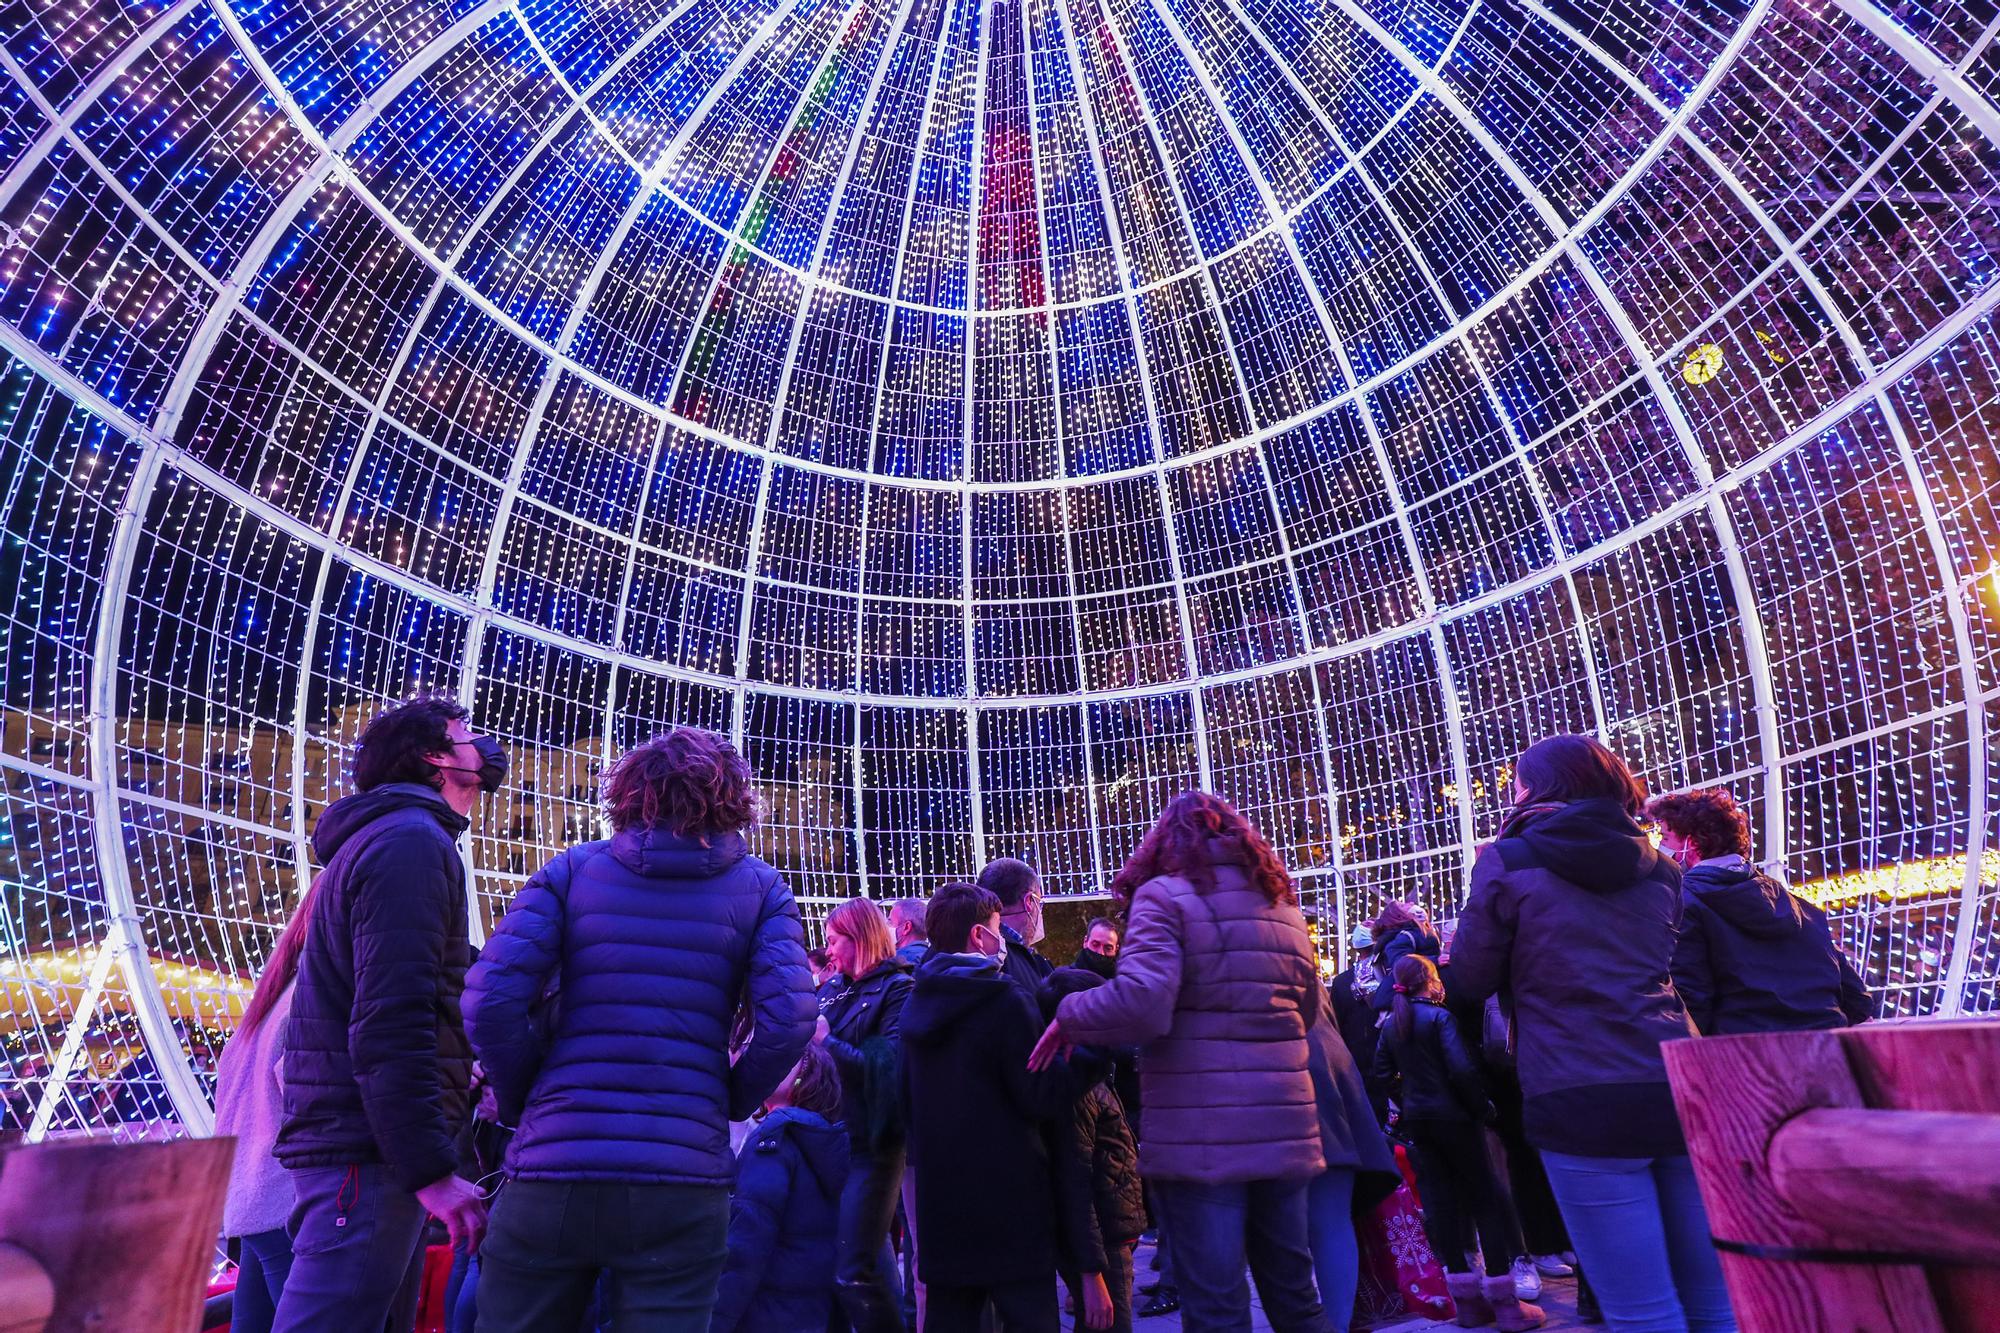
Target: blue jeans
355, 1236
1336, 1255
1638, 1226
1217, 1229
263, 1261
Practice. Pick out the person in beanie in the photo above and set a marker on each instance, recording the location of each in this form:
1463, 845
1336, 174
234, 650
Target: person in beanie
376, 1064
1751, 956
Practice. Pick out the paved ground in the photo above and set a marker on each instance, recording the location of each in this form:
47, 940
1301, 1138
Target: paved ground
1558, 1298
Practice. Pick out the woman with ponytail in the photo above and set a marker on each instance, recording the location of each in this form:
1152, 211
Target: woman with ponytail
249, 1105
1425, 1065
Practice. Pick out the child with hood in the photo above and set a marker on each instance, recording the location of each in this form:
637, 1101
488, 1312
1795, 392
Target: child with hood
779, 1277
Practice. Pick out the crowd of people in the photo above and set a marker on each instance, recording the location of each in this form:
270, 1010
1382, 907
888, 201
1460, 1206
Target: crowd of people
646, 1105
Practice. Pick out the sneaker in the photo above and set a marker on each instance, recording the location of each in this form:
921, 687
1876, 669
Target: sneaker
1527, 1282
1552, 1265
1165, 1301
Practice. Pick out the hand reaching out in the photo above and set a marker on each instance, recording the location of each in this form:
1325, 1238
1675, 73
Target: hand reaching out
1052, 1047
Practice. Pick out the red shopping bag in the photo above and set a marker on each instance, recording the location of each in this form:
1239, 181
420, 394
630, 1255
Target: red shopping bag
1399, 1274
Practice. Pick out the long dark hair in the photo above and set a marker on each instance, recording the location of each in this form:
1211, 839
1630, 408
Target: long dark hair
1178, 845
1416, 978
1558, 769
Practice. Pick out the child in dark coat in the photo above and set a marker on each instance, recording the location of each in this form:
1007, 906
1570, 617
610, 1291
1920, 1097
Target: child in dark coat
1100, 1203
779, 1277
978, 1120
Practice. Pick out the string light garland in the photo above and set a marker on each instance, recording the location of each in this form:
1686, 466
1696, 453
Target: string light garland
996, 416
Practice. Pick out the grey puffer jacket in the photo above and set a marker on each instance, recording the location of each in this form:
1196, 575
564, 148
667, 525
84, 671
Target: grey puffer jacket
1217, 989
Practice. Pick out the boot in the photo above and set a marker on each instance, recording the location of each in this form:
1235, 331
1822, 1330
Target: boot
1510, 1312
1468, 1300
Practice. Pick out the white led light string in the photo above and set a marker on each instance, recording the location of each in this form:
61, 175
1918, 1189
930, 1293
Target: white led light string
159, 453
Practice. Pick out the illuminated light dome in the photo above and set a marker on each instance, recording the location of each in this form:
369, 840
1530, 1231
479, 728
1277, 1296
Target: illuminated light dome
998, 417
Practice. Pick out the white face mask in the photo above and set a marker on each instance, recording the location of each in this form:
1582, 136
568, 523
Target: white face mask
1030, 926
999, 954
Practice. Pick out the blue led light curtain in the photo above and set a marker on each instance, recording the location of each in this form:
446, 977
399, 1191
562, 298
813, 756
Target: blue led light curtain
998, 415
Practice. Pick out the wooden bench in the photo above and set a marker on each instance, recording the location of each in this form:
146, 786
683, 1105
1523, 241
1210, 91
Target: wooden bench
1852, 1178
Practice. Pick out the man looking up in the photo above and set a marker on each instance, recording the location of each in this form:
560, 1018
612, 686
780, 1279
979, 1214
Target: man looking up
1019, 890
376, 1062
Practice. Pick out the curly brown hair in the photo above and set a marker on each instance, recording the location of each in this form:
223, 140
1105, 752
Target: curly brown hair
1710, 819
1178, 844
689, 781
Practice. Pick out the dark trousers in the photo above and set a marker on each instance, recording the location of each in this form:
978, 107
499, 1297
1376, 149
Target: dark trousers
264, 1260
1457, 1185
354, 1235
548, 1241
1018, 1307
1542, 1229
1118, 1277
1217, 1230
864, 1266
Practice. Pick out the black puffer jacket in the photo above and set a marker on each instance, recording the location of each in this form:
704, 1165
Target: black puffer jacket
1753, 957
1431, 1074
864, 1030
1573, 913
376, 1061
1102, 1202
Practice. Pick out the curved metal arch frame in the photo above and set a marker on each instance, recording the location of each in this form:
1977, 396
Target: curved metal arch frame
160, 453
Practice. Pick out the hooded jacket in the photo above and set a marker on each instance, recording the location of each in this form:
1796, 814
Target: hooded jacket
1216, 987
782, 1224
1573, 913
976, 1115
1753, 957
654, 942
1431, 1074
376, 1061
1411, 937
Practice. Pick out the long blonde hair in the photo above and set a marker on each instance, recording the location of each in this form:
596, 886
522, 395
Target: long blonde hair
863, 921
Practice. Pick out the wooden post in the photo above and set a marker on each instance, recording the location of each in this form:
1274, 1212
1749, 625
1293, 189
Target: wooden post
1930, 1065
1733, 1093
126, 1231
1845, 1173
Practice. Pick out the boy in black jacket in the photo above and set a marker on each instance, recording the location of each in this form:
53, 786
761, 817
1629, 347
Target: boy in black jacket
1102, 1205
976, 1115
